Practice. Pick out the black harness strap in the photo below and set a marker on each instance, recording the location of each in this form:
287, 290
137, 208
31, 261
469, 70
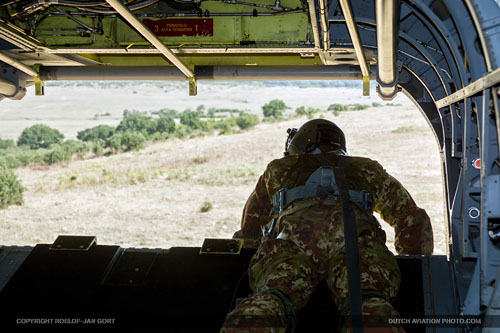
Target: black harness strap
351, 243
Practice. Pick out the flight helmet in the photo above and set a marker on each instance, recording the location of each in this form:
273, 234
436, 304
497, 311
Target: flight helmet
314, 137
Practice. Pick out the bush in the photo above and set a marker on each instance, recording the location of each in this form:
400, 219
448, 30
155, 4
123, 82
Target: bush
157, 136
56, 155
207, 206
338, 107
8, 143
133, 140
115, 142
246, 120
359, 107
309, 112
224, 127
274, 109
76, 147
100, 132
165, 125
182, 131
97, 149
137, 122
166, 113
11, 161
11, 190
191, 119
126, 141
39, 136
207, 126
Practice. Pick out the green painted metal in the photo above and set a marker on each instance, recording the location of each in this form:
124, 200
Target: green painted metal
208, 60
285, 29
238, 30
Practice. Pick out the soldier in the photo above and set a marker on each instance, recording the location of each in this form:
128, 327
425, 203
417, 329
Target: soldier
306, 240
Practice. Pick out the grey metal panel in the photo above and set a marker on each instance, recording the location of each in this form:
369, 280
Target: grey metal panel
11, 258
487, 16
439, 294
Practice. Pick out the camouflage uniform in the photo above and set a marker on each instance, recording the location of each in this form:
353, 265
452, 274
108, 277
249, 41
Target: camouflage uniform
310, 245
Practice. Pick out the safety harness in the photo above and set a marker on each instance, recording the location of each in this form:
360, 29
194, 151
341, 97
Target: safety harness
330, 183
320, 184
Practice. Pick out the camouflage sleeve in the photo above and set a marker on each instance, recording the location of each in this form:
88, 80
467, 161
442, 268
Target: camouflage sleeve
256, 211
412, 225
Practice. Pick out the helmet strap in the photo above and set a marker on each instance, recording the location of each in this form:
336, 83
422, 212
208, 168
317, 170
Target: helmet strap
291, 133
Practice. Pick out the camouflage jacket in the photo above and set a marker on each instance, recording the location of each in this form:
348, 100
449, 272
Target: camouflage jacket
413, 230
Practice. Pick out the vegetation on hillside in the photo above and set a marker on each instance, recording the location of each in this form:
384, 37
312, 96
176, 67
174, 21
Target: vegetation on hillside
11, 190
42, 145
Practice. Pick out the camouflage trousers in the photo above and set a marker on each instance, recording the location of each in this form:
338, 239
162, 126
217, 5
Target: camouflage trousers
310, 248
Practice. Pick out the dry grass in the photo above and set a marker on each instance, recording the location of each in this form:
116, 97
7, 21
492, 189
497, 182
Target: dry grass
154, 197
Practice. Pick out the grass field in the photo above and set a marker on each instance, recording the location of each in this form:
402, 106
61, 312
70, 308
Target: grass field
176, 193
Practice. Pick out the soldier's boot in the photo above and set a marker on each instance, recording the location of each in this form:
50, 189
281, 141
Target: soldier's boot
259, 313
377, 315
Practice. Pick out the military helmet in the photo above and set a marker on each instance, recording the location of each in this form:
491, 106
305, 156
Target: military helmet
315, 136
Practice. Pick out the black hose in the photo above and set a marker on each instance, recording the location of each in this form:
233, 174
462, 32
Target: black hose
111, 11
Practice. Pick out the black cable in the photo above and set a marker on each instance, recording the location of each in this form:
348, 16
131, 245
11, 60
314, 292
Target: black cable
233, 299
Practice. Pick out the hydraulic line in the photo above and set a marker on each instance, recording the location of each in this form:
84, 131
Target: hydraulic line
133, 7
205, 14
67, 14
42, 4
276, 6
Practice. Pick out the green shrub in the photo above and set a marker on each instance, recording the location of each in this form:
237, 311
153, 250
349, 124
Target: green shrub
26, 157
300, 111
246, 120
157, 136
12, 162
165, 125
7, 143
274, 109
225, 127
115, 142
132, 140
211, 113
407, 129
232, 121
11, 190
376, 104
166, 113
100, 132
207, 206
182, 131
191, 119
359, 107
97, 149
338, 107
20, 156
76, 147
309, 112
137, 122
207, 126
39, 136
56, 155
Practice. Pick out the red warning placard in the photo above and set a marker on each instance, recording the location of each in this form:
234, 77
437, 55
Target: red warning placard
181, 27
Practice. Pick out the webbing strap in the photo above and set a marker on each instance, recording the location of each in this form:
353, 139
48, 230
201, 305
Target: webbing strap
362, 198
321, 183
352, 252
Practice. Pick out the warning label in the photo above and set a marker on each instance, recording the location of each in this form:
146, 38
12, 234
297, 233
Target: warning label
181, 27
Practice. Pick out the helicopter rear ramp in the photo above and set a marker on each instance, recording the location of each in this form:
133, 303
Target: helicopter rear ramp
182, 288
